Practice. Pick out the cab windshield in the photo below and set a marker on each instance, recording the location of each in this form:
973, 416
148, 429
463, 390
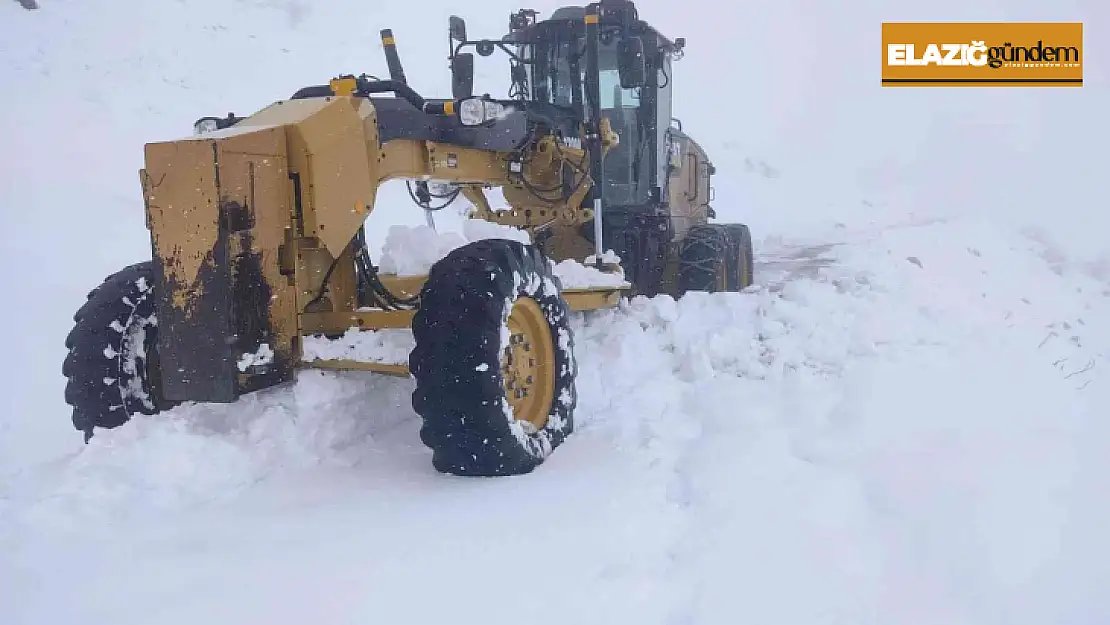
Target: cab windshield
627, 166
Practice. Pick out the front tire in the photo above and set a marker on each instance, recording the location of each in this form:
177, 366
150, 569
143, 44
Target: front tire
494, 360
112, 363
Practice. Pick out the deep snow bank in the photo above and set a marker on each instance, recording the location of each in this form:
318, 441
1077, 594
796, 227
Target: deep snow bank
899, 426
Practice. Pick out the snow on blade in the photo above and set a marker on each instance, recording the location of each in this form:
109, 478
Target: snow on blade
264, 355
391, 346
412, 250
574, 275
609, 257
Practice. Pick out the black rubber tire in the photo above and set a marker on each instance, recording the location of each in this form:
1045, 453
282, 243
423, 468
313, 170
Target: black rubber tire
742, 255
112, 360
703, 258
456, 360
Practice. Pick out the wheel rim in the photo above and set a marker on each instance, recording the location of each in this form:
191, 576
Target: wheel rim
527, 364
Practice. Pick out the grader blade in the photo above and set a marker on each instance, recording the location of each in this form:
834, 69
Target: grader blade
217, 210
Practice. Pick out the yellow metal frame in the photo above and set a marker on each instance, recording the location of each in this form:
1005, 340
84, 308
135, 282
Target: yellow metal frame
337, 323
287, 189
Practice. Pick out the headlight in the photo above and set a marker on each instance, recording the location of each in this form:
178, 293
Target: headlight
477, 111
472, 112
206, 124
494, 110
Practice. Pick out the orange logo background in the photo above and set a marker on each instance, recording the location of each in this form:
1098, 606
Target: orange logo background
999, 54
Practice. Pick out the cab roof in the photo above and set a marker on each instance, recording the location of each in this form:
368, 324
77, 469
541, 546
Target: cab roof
571, 17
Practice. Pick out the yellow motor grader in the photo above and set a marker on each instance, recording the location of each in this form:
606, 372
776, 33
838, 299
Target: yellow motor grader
258, 240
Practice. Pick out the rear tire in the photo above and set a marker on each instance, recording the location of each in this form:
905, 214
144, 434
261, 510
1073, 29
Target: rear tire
112, 362
742, 254
703, 260
716, 258
462, 330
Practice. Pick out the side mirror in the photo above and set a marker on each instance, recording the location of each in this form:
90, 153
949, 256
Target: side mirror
457, 28
462, 75
679, 48
631, 63
485, 47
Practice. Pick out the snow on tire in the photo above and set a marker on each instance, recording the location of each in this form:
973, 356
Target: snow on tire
462, 361
110, 349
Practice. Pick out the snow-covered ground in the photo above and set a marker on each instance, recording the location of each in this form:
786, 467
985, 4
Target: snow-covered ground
906, 421
905, 426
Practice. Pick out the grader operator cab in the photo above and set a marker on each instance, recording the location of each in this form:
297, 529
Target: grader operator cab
259, 254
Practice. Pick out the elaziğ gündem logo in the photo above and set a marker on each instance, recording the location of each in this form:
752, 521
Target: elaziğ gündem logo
986, 54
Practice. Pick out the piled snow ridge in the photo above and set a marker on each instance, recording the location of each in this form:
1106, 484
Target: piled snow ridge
196, 454
412, 250
936, 287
